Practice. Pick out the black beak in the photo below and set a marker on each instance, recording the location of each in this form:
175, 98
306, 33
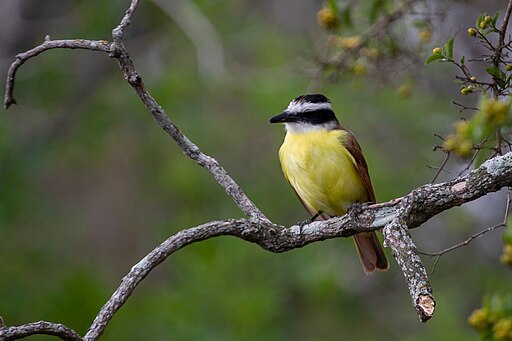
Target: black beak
283, 117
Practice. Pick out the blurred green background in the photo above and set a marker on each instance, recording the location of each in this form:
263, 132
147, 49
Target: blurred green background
89, 183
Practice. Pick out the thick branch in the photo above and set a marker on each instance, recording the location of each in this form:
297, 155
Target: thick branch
393, 215
41, 327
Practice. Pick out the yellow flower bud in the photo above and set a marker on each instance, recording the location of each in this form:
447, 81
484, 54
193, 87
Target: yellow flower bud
404, 90
462, 128
450, 143
502, 329
508, 67
465, 148
471, 31
495, 112
487, 19
327, 19
359, 68
483, 25
425, 36
350, 42
506, 257
473, 79
479, 319
369, 52
436, 50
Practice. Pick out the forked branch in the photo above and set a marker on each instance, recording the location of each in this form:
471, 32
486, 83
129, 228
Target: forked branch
395, 216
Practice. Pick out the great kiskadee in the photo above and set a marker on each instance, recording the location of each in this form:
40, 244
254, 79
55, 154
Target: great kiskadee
325, 166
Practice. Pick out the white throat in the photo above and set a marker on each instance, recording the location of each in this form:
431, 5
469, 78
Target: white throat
302, 127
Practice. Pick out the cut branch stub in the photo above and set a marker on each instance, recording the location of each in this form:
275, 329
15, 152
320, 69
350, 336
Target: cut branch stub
398, 239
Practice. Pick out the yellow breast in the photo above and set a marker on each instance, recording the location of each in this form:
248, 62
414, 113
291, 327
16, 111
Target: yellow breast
322, 171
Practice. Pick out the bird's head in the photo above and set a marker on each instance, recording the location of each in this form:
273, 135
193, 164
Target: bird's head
306, 113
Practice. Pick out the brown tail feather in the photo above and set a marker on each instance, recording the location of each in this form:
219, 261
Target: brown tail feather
370, 252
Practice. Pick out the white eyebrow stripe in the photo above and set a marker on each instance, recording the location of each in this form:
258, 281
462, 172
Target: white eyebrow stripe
307, 106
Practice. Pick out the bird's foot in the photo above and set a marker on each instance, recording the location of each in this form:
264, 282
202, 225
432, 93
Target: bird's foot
308, 221
303, 223
354, 209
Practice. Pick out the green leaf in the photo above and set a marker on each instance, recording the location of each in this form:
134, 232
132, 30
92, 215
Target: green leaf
419, 24
376, 8
478, 21
462, 60
493, 22
346, 16
501, 83
507, 234
333, 5
433, 57
448, 48
482, 156
494, 71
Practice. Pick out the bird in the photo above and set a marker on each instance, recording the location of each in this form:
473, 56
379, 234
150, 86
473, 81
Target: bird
325, 166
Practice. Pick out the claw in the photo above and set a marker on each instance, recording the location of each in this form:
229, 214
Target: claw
310, 220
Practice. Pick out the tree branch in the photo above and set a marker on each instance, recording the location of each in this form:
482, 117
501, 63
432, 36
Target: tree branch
503, 28
503, 223
41, 327
21, 58
397, 237
395, 216
188, 147
118, 51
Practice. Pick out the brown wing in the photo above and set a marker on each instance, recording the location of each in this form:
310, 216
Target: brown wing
368, 247
322, 216
355, 150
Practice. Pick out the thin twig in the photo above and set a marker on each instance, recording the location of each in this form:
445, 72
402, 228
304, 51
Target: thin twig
503, 28
463, 107
473, 158
21, 58
498, 50
441, 168
503, 223
465, 242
